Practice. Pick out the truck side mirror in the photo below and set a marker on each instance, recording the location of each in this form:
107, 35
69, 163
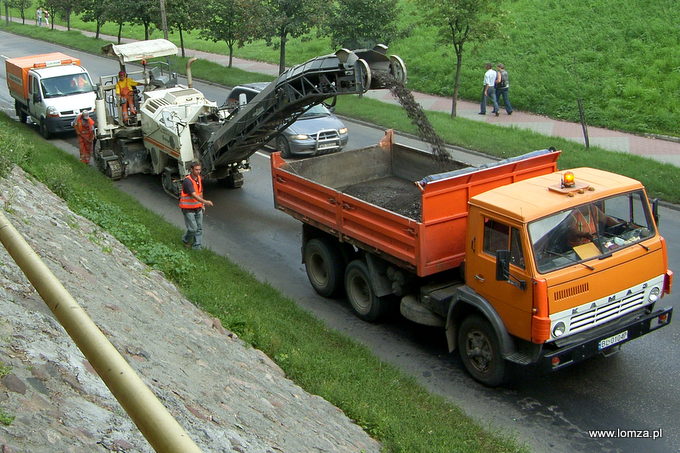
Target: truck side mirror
503, 265
655, 210
242, 99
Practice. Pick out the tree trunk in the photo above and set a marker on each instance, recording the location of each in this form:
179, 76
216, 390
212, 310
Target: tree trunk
23, 16
7, 12
282, 50
456, 82
230, 45
99, 27
120, 30
146, 31
68, 20
181, 40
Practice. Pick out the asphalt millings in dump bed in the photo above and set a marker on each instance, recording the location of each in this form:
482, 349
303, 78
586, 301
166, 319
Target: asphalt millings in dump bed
417, 115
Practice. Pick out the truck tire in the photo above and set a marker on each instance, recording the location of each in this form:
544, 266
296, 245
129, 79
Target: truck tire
480, 351
325, 266
360, 293
44, 131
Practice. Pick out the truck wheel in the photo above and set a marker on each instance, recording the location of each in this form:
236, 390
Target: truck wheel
43, 129
234, 180
283, 146
480, 352
360, 293
324, 266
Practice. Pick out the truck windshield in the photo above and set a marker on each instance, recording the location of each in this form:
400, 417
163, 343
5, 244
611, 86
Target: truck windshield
589, 231
66, 85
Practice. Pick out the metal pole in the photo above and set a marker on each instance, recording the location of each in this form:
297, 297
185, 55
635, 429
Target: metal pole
151, 417
584, 126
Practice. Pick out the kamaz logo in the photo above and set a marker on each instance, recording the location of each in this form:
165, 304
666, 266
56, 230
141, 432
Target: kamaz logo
630, 292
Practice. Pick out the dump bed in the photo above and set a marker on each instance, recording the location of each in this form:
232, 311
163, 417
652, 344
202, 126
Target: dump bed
395, 201
17, 70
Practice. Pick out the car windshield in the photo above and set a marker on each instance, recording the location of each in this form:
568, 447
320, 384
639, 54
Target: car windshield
589, 231
316, 111
66, 85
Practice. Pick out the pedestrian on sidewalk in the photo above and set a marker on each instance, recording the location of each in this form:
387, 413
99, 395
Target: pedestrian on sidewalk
84, 126
502, 87
39, 16
192, 204
489, 90
47, 18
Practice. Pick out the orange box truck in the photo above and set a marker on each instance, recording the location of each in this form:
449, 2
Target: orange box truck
517, 261
51, 89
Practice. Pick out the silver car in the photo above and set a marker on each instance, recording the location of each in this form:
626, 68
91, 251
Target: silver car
317, 131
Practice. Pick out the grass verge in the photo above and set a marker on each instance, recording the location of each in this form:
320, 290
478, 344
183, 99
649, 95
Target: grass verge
388, 404
661, 180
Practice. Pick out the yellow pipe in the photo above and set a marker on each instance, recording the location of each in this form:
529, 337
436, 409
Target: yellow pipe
151, 417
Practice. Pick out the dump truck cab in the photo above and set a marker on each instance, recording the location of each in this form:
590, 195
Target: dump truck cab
571, 262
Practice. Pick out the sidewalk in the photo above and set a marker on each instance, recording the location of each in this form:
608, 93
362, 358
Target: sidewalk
657, 149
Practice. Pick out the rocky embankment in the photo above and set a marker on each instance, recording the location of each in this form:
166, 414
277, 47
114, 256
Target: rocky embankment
228, 396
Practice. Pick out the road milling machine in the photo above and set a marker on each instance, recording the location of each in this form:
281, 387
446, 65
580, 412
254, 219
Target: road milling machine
176, 124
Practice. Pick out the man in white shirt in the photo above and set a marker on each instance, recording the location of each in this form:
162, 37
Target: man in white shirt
489, 91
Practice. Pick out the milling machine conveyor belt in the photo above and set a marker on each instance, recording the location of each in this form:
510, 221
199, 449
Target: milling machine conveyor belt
296, 90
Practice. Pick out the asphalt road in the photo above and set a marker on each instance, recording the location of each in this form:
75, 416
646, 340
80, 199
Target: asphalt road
636, 389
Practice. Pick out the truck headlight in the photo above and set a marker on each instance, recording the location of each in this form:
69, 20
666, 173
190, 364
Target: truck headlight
559, 329
52, 111
654, 294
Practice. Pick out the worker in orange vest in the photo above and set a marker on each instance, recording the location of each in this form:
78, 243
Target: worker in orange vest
192, 204
125, 91
84, 126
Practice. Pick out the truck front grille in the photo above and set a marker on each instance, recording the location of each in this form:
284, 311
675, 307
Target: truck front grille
604, 313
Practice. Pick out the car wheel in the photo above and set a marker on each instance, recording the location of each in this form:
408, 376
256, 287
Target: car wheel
360, 293
283, 146
324, 266
43, 129
480, 352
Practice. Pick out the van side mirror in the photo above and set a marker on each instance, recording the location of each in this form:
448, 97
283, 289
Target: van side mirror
502, 265
655, 210
36, 97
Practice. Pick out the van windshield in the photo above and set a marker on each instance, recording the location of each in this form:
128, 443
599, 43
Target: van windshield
589, 231
66, 85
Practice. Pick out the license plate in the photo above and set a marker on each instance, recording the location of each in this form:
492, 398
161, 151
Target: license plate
618, 338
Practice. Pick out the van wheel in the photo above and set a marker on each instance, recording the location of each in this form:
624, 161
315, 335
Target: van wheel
324, 266
480, 352
360, 293
43, 129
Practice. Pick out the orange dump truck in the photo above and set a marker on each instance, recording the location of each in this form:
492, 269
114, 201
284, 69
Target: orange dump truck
517, 261
51, 89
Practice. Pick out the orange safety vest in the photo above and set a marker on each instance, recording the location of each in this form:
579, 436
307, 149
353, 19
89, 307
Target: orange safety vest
84, 129
186, 201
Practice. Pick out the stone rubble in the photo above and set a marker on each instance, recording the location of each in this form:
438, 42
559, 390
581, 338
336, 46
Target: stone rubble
228, 396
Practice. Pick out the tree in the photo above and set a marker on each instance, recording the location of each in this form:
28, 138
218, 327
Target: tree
371, 22
460, 22
229, 21
183, 15
22, 6
143, 12
95, 11
284, 19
